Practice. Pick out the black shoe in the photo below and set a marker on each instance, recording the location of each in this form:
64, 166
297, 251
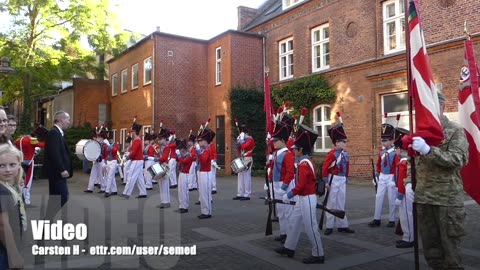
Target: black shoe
328, 231
101, 191
404, 244
149, 188
314, 259
182, 210
281, 237
391, 224
141, 196
190, 189
345, 230
237, 198
374, 223
399, 241
197, 203
106, 195
124, 184
154, 182
285, 251
125, 196
113, 194
163, 205
97, 185
214, 192
244, 199
88, 191
203, 216
195, 188
173, 186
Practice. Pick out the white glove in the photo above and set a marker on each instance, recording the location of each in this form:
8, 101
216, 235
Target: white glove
398, 202
409, 192
105, 141
170, 138
265, 187
269, 136
178, 153
270, 157
420, 145
374, 182
285, 199
242, 136
197, 147
214, 164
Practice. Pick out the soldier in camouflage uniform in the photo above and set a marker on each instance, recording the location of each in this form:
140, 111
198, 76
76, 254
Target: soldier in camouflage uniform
439, 194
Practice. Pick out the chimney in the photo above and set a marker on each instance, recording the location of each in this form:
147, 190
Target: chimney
245, 16
158, 28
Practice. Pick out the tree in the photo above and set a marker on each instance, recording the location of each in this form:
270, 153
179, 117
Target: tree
44, 44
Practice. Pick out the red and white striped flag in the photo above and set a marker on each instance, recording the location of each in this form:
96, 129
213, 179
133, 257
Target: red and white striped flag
422, 87
469, 117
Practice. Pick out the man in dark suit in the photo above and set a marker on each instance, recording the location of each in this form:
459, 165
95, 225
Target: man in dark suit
58, 164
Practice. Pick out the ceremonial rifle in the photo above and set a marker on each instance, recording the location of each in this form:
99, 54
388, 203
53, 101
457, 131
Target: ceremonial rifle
322, 216
374, 176
269, 229
337, 213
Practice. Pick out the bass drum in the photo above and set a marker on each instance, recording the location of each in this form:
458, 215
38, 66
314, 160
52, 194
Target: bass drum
238, 165
88, 150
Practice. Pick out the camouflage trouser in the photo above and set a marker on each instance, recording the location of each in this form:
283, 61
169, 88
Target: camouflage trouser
441, 228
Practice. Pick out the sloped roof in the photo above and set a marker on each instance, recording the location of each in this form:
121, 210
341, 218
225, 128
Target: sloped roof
269, 10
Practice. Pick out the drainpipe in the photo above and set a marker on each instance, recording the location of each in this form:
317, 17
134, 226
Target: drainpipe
153, 82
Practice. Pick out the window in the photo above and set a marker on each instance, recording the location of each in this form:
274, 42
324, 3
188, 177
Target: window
114, 135
147, 71
135, 76
146, 129
290, 3
218, 66
286, 58
393, 26
394, 104
320, 48
123, 136
124, 80
321, 123
115, 84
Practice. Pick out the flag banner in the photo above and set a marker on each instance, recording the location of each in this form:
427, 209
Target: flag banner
422, 88
267, 106
468, 114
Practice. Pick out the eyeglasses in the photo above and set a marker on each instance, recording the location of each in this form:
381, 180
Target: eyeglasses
3, 120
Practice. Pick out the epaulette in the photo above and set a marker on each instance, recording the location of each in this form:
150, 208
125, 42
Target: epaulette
33, 140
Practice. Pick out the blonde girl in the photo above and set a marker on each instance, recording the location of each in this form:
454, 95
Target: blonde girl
13, 221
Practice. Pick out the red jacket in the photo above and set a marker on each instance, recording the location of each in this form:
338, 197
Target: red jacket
185, 163
151, 150
27, 145
247, 146
136, 150
213, 151
287, 171
401, 175
329, 159
113, 151
167, 153
305, 184
205, 160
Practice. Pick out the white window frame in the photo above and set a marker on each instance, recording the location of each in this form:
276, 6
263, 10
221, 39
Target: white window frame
392, 115
398, 19
114, 136
218, 66
324, 124
134, 76
144, 130
290, 3
285, 58
123, 135
115, 85
124, 81
145, 70
320, 47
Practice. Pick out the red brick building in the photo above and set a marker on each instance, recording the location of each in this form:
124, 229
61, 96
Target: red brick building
358, 45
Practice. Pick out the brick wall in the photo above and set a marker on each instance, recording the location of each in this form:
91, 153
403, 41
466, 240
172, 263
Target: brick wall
88, 94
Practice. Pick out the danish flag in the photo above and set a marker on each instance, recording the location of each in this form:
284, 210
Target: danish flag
468, 114
423, 89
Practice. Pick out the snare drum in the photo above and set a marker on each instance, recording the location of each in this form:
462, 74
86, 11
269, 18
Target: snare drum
238, 165
158, 170
88, 150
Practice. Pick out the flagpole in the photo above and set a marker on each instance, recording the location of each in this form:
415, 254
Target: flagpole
410, 118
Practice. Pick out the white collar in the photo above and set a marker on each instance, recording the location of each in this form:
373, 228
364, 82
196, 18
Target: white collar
61, 131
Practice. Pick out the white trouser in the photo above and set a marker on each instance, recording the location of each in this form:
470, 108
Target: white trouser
192, 180
213, 177
284, 211
205, 192
112, 166
305, 213
126, 167
147, 175
172, 165
95, 175
406, 219
28, 186
386, 184
183, 190
120, 171
244, 185
164, 189
135, 172
336, 200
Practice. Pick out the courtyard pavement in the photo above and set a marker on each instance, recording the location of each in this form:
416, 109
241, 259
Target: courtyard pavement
234, 238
